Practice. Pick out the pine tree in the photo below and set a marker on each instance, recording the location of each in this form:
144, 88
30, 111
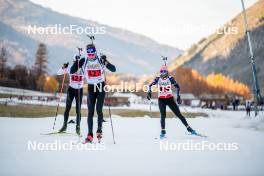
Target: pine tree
40, 66
3, 60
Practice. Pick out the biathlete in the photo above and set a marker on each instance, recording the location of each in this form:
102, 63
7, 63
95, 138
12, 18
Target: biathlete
94, 71
165, 83
75, 91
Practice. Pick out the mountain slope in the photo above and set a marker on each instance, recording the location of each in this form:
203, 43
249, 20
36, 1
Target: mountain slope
228, 53
126, 49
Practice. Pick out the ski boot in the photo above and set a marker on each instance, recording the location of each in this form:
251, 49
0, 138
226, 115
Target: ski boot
89, 139
63, 128
163, 134
78, 130
192, 131
99, 135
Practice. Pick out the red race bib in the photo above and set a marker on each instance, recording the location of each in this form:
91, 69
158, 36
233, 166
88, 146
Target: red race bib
76, 78
94, 73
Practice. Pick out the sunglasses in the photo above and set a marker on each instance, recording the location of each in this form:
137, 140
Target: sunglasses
91, 55
91, 50
163, 71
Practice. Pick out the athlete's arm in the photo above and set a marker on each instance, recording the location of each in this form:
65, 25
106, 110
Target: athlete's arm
63, 69
110, 67
74, 67
175, 84
154, 82
107, 64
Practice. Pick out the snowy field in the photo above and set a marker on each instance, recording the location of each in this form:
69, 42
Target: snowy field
136, 152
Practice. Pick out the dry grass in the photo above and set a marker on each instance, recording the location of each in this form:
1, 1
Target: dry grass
31, 111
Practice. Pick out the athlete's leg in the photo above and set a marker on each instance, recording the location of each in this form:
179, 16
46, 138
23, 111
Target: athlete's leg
99, 109
70, 97
175, 109
162, 108
91, 99
78, 99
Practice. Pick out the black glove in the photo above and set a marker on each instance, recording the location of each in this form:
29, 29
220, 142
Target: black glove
149, 95
103, 59
65, 65
77, 57
179, 101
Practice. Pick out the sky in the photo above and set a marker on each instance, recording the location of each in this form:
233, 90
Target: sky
178, 23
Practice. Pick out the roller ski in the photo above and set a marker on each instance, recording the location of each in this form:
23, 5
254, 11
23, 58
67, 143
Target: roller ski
59, 133
193, 132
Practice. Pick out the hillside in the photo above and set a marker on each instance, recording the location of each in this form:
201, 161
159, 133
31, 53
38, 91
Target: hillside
228, 53
123, 48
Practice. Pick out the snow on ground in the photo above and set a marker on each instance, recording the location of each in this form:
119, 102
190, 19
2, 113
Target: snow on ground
136, 151
24, 92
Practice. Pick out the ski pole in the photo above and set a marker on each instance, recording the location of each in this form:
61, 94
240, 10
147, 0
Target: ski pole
150, 109
91, 38
165, 60
64, 75
110, 116
109, 110
79, 96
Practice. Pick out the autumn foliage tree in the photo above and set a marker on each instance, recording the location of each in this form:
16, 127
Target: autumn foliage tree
51, 84
193, 82
227, 84
190, 81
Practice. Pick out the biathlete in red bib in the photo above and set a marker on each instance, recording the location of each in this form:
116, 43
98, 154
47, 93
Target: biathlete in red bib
165, 83
94, 71
75, 91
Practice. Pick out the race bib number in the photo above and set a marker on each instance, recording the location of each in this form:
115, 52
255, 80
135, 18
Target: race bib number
76, 78
94, 73
165, 90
